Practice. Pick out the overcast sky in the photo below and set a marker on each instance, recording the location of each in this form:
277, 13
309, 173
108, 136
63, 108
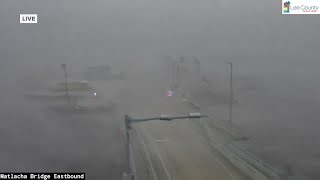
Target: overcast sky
254, 35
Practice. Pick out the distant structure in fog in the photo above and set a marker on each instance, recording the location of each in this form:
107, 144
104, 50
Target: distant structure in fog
98, 72
101, 72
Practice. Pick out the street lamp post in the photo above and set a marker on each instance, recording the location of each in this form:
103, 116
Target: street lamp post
128, 126
64, 67
128, 120
231, 96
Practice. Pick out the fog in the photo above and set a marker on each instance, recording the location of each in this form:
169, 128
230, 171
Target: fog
279, 52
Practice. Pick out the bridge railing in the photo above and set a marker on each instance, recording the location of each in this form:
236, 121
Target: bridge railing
251, 165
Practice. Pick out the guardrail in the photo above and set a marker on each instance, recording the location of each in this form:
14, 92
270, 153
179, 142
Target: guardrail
132, 175
244, 154
243, 159
132, 163
252, 166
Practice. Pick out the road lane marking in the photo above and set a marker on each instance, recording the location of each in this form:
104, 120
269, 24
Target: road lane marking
157, 152
162, 140
148, 155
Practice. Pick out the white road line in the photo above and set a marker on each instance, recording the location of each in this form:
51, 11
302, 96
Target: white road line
157, 152
162, 140
148, 156
212, 156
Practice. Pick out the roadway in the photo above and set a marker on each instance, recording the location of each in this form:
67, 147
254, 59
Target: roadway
179, 152
174, 150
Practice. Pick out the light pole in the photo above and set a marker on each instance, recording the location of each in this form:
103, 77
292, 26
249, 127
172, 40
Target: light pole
64, 67
197, 63
128, 126
231, 96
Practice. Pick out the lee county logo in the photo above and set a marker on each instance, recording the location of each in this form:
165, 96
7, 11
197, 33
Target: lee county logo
28, 18
286, 7
298, 7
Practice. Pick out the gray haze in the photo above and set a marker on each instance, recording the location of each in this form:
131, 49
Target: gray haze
280, 52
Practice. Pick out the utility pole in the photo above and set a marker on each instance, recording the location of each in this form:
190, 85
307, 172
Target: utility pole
128, 127
197, 64
64, 67
231, 96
